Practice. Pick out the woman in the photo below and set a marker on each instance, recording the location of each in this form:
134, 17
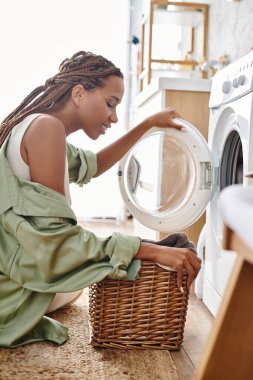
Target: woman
46, 259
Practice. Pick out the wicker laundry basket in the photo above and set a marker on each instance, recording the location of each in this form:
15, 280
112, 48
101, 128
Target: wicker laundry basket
148, 313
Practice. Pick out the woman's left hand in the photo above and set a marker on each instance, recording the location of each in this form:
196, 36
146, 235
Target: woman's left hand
164, 119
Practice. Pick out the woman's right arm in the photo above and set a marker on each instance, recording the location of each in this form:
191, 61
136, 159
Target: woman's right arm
180, 259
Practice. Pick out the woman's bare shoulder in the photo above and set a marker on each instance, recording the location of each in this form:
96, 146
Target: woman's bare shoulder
45, 130
46, 124
44, 149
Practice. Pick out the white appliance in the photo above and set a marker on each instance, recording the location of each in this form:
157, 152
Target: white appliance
170, 177
231, 142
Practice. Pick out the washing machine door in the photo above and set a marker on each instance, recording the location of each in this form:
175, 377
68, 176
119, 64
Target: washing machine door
166, 178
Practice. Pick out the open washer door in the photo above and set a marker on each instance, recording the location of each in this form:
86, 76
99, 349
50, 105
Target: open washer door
166, 179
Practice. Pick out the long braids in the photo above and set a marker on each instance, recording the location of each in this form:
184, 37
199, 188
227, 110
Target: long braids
84, 68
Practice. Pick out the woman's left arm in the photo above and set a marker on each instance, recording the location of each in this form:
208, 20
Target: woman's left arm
108, 156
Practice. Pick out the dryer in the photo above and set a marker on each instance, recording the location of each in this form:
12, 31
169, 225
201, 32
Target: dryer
170, 177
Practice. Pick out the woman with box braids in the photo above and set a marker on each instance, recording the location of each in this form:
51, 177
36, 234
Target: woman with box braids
83, 68
83, 95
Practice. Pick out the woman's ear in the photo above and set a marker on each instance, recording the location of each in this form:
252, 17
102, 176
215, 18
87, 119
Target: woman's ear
77, 94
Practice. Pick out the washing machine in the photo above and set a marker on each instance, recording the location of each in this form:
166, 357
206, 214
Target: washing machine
170, 177
231, 143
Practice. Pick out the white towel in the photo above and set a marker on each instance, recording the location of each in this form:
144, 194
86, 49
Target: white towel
236, 205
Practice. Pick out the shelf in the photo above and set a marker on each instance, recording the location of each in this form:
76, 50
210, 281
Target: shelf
188, 19
173, 33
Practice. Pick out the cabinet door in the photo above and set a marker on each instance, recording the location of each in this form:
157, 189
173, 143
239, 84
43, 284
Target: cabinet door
193, 107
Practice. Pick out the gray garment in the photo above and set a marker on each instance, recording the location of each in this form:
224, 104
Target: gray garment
177, 240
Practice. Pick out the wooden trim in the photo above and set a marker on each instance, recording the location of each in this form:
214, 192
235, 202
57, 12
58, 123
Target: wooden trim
232, 242
194, 6
205, 34
236, 244
192, 40
229, 351
150, 39
179, 62
142, 54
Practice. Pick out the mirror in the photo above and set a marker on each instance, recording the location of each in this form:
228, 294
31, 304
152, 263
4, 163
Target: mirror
173, 40
160, 173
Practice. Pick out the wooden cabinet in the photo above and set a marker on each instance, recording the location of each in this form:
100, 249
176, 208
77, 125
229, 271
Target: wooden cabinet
190, 97
192, 106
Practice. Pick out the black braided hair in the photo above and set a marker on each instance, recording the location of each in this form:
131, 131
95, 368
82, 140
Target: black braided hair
84, 68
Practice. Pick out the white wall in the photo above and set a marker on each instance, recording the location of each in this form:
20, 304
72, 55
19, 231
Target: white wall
35, 37
230, 28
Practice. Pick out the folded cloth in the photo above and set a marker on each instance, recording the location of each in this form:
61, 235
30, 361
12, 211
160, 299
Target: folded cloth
176, 240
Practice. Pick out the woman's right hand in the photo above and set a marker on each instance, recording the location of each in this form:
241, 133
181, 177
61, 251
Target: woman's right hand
180, 259
164, 119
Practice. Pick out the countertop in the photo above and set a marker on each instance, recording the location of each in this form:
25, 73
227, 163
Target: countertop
167, 83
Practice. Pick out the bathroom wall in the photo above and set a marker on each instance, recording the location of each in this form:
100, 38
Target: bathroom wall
230, 28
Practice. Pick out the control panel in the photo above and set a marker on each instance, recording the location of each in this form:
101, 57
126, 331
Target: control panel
232, 82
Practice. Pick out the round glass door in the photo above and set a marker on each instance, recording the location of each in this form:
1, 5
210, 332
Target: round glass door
165, 178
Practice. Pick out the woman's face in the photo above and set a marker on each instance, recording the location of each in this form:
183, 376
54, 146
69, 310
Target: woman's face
96, 109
